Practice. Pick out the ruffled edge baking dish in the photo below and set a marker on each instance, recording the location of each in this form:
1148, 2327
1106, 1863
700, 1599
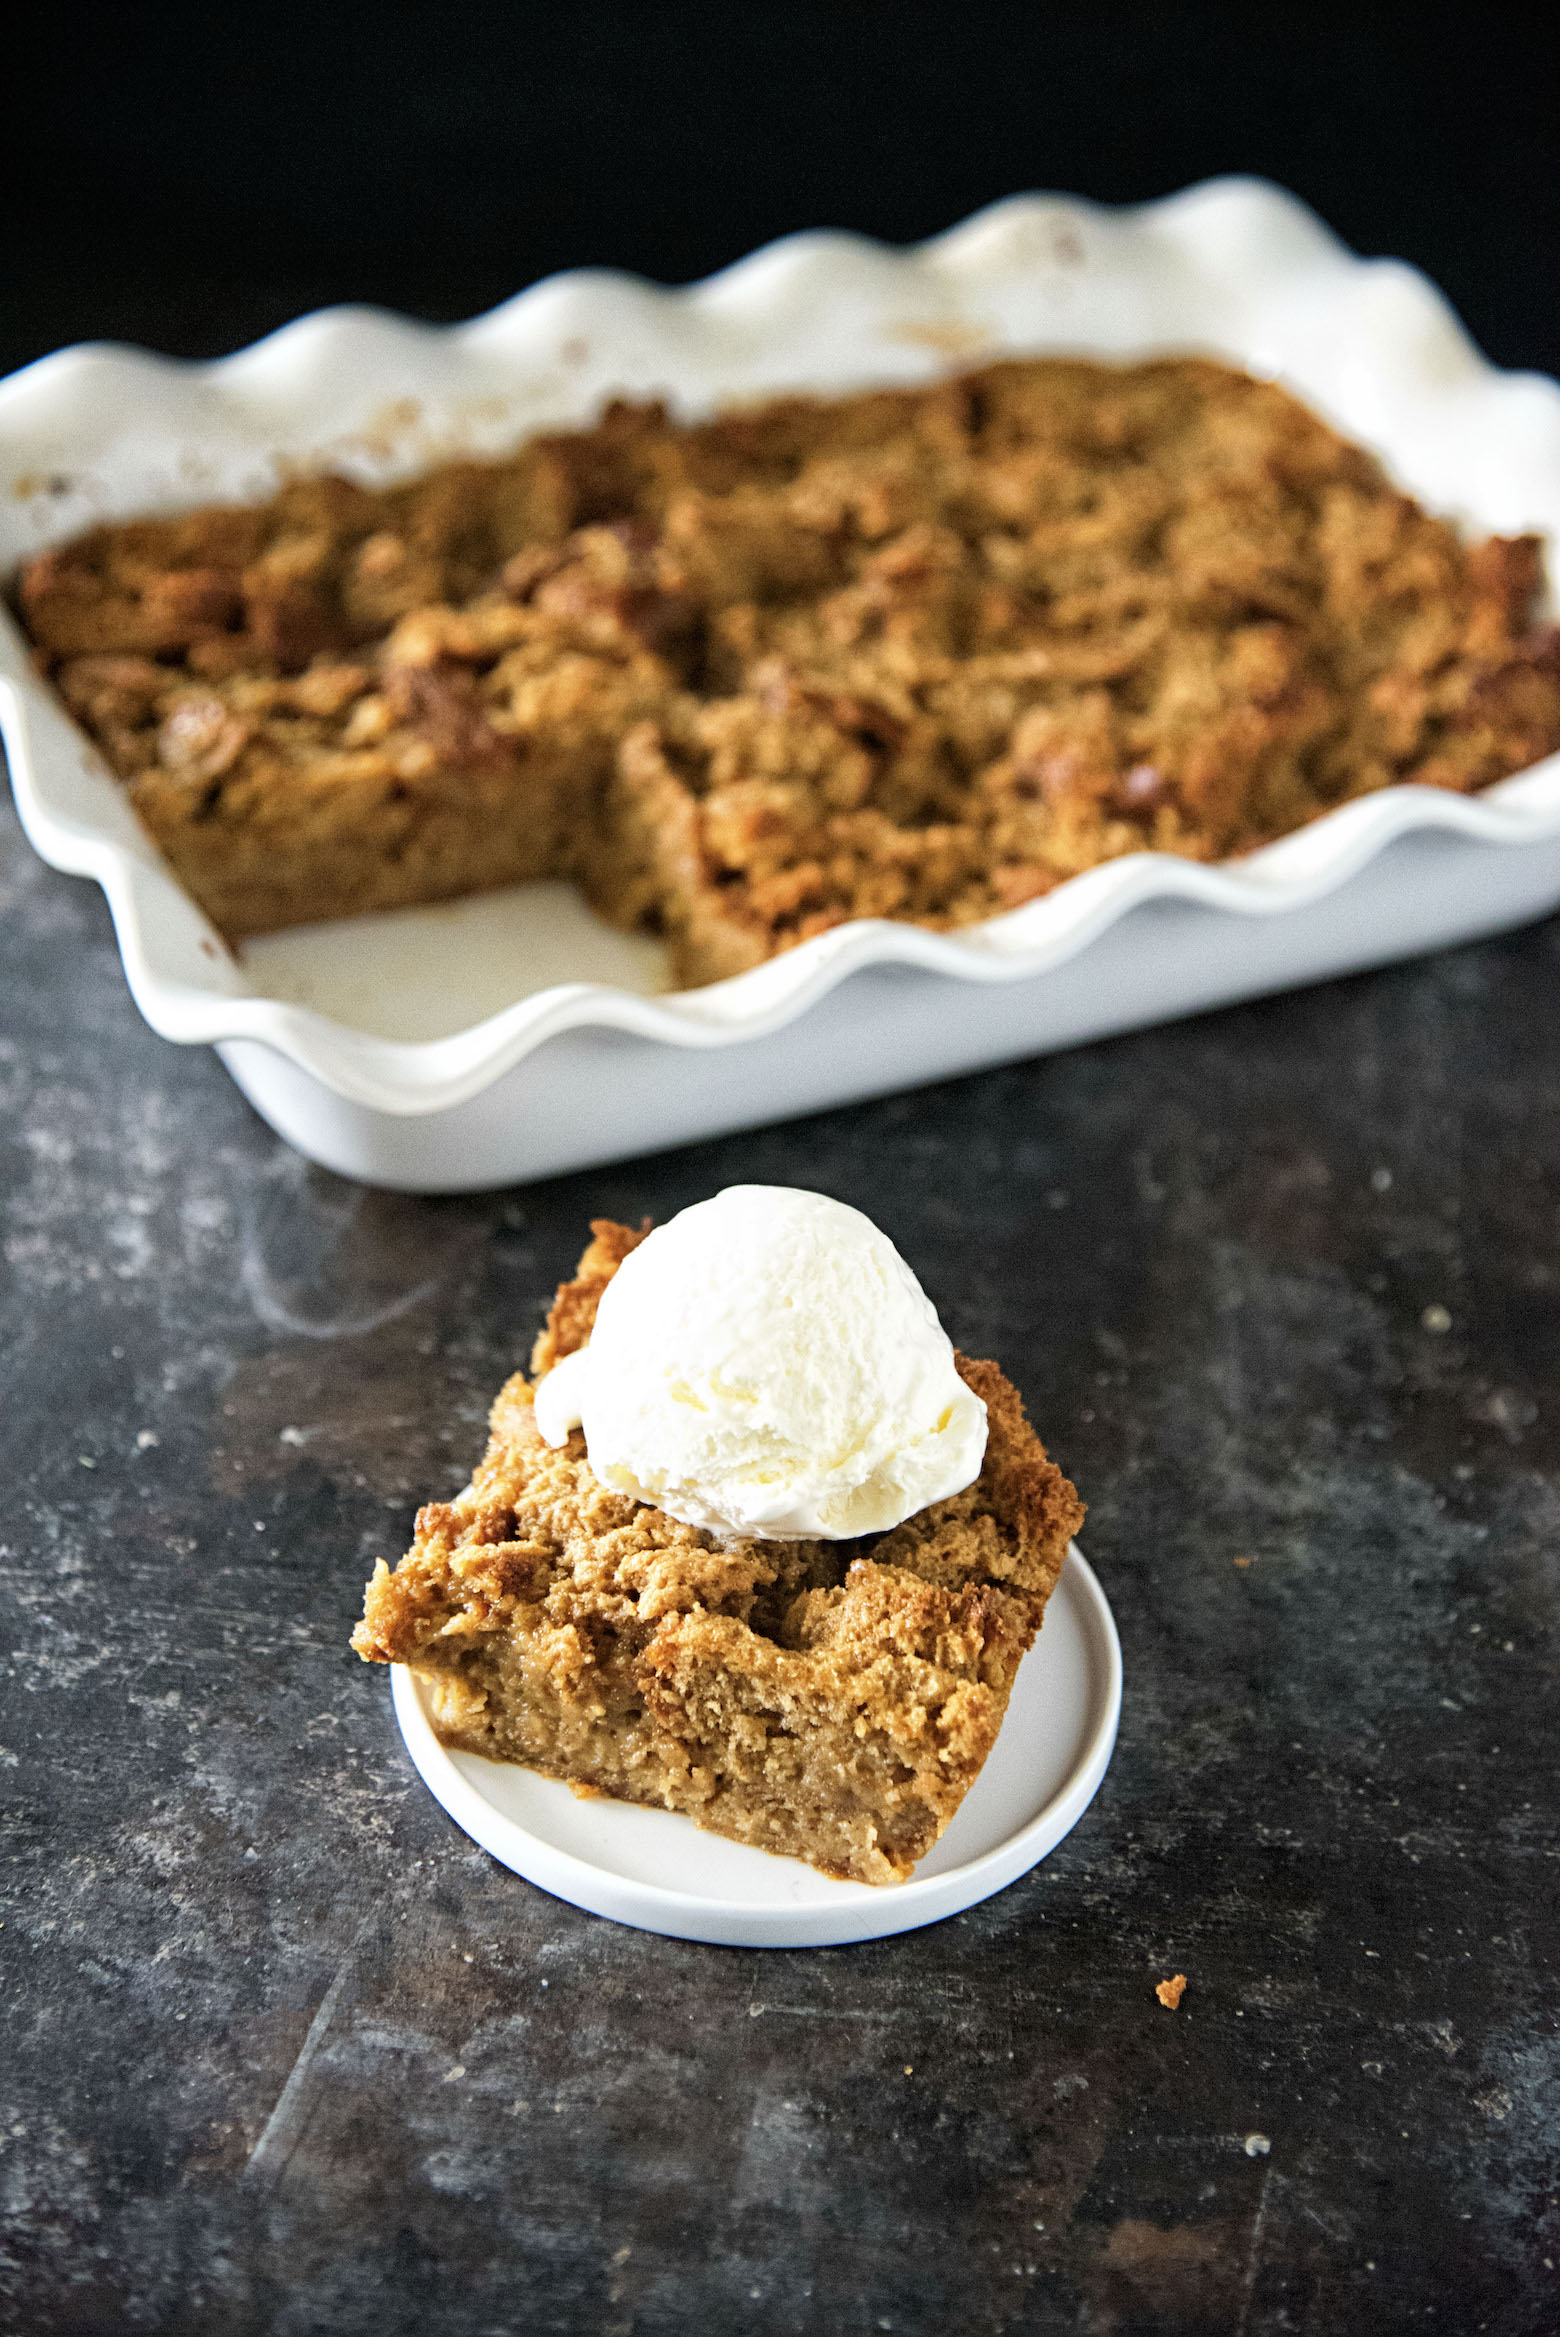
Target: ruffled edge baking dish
1234, 268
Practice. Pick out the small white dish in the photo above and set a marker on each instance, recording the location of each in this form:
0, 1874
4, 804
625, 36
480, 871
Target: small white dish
662, 1873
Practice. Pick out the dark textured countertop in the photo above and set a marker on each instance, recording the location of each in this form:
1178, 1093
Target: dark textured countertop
285, 2052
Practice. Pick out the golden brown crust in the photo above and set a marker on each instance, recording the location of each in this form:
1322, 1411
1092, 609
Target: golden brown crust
572, 1316
916, 654
834, 1701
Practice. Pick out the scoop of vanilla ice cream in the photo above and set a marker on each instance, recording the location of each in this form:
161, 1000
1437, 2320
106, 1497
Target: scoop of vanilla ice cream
767, 1364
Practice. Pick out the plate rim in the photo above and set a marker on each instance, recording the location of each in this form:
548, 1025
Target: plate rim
714, 1921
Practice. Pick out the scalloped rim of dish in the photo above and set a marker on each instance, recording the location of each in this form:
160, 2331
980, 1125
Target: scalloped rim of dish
1234, 267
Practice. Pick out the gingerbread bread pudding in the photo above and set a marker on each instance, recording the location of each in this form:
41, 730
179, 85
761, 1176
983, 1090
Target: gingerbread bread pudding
833, 1700
916, 654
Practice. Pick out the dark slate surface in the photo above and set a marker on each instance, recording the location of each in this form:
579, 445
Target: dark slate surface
285, 2052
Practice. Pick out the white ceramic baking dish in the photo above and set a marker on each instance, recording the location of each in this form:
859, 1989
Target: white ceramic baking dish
509, 1037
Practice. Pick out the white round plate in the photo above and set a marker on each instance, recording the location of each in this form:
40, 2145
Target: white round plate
663, 1873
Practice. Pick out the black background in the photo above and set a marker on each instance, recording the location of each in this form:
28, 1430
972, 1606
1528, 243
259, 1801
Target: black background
191, 177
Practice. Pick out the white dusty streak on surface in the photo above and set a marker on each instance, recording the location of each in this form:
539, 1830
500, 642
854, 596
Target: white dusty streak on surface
280, 2132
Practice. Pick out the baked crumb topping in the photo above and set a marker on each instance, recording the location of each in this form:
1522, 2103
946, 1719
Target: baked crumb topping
832, 1700
917, 654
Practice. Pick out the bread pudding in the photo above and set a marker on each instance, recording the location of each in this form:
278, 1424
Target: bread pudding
918, 654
